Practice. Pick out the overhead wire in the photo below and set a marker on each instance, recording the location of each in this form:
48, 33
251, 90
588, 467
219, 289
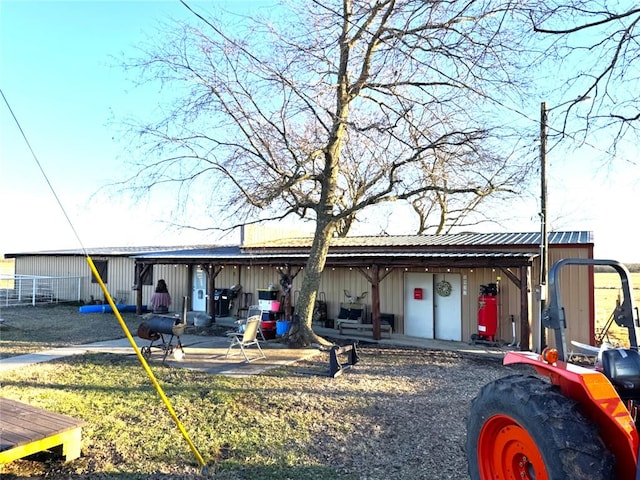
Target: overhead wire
46, 178
564, 134
109, 299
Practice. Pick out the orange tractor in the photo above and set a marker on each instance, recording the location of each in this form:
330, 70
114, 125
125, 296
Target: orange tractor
581, 423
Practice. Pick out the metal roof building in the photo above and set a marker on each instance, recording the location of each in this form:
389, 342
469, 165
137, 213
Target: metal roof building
391, 267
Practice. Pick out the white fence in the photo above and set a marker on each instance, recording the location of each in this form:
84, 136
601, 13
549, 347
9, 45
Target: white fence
34, 290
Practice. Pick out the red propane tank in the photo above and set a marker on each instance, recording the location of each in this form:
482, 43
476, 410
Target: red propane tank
487, 317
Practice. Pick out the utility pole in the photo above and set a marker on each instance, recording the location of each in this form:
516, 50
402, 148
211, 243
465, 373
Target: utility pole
544, 218
544, 234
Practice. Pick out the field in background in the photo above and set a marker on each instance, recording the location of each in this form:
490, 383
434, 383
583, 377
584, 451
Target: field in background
6, 268
607, 293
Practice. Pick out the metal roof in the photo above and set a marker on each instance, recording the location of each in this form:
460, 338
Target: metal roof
228, 254
456, 239
471, 248
345, 259
126, 251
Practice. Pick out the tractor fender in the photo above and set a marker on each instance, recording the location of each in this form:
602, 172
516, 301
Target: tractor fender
597, 400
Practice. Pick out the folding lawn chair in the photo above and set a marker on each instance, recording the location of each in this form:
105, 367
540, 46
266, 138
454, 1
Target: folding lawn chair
247, 339
256, 310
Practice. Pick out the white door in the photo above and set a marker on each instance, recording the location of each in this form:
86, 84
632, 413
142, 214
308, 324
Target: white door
447, 306
199, 294
418, 304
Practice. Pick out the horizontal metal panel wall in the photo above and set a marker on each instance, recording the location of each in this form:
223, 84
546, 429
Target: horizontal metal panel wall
177, 278
54, 266
334, 282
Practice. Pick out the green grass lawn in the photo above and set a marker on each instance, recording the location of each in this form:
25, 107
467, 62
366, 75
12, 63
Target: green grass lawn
28, 329
255, 426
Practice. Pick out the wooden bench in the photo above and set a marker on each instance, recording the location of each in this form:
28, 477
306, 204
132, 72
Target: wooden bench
26, 430
364, 326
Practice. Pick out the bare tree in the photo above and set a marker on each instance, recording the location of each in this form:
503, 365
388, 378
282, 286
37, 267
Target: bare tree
443, 210
330, 109
599, 42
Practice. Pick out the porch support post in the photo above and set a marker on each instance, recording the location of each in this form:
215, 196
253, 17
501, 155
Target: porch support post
375, 301
525, 327
211, 288
139, 272
374, 279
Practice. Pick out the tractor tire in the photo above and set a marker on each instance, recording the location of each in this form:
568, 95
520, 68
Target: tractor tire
521, 427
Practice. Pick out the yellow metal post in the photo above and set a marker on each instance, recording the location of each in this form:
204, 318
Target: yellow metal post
145, 365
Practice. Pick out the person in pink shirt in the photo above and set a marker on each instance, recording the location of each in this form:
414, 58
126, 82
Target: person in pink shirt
161, 300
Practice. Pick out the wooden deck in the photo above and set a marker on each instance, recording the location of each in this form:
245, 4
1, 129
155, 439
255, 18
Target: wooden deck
25, 430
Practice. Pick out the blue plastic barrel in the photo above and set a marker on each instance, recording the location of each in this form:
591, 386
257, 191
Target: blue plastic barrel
106, 308
282, 328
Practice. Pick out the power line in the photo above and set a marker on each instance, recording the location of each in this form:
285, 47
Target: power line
44, 174
107, 295
562, 132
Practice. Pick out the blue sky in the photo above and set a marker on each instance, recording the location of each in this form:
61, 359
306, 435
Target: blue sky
61, 73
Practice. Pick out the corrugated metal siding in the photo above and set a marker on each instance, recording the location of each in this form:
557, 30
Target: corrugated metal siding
52, 266
177, 278
120, 277
250, 278
258, 278
336, 281
484, 276
57, 266
575, 284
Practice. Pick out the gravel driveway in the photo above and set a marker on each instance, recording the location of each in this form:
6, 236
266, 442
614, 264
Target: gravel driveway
414, 423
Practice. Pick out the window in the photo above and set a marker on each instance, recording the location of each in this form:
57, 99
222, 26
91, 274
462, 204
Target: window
147, 275
144, 273
102, 266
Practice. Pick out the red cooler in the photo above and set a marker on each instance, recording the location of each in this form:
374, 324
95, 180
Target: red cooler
269, 329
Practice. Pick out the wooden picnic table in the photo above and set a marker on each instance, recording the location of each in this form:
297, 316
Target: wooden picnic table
25, 430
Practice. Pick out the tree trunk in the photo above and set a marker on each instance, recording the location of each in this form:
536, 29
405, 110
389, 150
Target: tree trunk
302, 334
326, 223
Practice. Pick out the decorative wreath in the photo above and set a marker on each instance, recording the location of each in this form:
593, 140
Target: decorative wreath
443, 288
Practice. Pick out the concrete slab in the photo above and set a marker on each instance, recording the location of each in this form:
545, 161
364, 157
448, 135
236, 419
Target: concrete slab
407, 341
208, 353
205, 354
